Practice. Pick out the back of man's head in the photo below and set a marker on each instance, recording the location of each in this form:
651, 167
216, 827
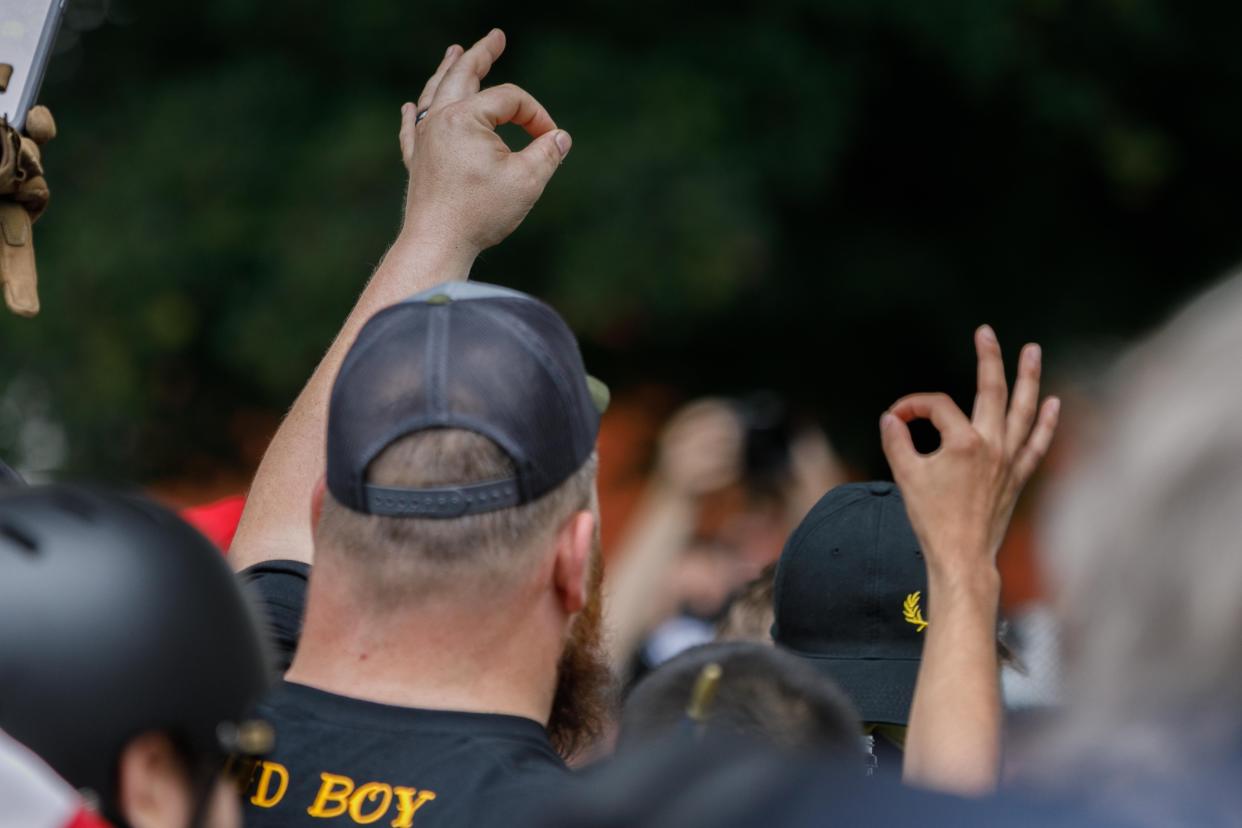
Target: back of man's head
461, 435
460, 482
395, 559
763, 693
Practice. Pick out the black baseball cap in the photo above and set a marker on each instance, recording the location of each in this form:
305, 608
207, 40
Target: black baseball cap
463, 355
851, 596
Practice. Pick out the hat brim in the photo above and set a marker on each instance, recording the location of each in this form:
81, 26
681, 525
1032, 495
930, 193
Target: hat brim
881, 688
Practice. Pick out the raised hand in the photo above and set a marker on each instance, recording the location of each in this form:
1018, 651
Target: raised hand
701, 449
467, 192
961, 496
465, 182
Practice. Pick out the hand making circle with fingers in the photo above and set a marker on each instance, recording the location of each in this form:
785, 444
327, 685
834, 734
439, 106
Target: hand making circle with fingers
961, 496
701, 448
463, 177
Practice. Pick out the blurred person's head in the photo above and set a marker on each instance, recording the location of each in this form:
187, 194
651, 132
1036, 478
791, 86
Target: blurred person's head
461, 479
705, 576
764, 694
129, 657
735, 783
750, 615
1143, 549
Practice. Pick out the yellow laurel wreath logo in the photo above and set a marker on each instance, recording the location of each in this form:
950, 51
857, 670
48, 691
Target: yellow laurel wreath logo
912, 613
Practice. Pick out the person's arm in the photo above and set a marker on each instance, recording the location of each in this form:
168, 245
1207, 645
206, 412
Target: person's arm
700, 451
467, 192
815, 469
960, 498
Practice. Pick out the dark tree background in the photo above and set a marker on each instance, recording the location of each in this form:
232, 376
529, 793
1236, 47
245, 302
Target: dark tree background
822, 197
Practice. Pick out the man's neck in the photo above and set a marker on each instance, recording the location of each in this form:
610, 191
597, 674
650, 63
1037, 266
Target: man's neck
482, 657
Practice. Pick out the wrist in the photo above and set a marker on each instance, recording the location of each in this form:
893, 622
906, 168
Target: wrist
429, 253
979, 581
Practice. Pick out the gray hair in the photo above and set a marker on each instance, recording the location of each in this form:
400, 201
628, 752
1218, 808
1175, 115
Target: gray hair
1143, 546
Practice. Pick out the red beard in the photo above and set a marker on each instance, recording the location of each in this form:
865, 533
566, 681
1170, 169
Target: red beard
582, 706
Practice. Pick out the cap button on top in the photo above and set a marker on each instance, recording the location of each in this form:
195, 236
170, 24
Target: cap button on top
879, 488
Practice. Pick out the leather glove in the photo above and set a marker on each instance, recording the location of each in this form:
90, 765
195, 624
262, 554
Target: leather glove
23, 197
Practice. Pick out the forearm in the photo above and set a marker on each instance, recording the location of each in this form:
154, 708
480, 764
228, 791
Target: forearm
276, 522
657, 533
953, 742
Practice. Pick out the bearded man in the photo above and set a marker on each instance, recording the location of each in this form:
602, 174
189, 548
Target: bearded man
449, 658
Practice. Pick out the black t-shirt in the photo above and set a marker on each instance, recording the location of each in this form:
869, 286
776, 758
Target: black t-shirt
344, 761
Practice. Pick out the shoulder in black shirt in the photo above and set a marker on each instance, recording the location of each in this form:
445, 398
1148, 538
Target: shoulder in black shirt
345, 761
279, 588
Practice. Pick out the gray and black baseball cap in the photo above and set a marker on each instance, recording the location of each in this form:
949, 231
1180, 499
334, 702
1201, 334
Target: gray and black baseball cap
471, 356
850, 596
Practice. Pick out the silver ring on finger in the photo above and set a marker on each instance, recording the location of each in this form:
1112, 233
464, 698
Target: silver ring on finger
422, 114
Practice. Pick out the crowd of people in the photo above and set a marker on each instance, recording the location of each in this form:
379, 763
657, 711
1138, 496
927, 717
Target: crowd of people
418, 630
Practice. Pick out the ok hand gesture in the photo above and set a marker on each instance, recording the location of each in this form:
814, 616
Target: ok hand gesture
466, 185
961, 496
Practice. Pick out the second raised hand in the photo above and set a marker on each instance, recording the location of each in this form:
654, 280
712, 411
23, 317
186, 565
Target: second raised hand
961, 496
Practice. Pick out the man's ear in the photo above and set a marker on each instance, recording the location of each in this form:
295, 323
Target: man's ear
317, 495
153, 789
573, 560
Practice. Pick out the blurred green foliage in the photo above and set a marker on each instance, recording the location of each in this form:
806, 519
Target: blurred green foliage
818, 196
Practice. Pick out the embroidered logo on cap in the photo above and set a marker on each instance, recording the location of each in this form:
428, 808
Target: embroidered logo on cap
911, 611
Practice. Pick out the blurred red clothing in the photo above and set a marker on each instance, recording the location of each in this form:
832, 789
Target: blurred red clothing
34, 796
217, 520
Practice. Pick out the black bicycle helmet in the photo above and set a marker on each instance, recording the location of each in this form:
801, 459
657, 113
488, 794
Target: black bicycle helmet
118, 618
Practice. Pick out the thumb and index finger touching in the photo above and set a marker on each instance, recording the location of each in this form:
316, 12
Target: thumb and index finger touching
1025, 433
988, 416
459, 78
895, 432
509, 104
506, 104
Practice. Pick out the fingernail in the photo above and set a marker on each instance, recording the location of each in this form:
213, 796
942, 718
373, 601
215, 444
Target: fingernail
449, 51
887, 420
1034, 353
405, 108
1054, 405
987, 333
563, 142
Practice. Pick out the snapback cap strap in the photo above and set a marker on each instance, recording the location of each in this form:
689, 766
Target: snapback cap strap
446, 502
